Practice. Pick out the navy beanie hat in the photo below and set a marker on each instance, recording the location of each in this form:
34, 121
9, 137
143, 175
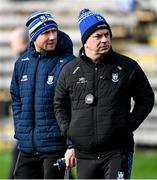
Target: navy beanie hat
38, 22
89, 22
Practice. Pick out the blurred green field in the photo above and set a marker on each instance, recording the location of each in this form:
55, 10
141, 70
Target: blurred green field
144, 164
5, 161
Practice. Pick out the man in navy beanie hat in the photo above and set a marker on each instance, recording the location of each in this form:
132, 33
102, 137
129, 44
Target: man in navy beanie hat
33, 84
89, 22
97, 88
38, 22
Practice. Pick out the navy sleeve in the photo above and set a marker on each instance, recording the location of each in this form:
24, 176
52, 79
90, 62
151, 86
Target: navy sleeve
16, 100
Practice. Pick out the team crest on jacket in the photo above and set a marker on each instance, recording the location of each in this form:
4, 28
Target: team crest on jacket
115, 77
50, 80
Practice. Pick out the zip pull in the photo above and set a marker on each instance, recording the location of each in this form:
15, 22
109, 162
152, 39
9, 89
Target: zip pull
96, 67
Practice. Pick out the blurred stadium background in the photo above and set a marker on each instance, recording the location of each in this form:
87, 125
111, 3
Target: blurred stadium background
134, 34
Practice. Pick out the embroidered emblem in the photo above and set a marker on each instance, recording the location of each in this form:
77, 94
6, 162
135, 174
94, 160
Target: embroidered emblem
120, 175
76, 69
24, 78
50, 80
99, 18
82, 80
25, 59
43, 18
115, 77
102, 26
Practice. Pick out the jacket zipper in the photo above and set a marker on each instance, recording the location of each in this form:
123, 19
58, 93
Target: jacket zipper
95, 109
33, 138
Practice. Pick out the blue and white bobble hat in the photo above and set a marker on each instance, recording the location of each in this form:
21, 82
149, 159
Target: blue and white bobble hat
38, 22
89, 22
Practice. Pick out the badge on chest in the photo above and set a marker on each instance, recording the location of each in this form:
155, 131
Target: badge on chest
89, 99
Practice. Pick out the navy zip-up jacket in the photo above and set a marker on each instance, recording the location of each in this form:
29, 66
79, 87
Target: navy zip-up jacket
32, 89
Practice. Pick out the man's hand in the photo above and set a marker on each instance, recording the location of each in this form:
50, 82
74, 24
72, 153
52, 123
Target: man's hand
70, 158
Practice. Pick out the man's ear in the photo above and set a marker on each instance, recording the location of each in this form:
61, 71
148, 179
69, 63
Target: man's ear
85, 45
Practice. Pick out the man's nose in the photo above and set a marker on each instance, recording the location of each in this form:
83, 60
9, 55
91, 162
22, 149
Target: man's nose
51, 36
104, 38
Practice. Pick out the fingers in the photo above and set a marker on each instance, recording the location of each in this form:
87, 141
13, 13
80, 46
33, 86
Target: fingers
70, 158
